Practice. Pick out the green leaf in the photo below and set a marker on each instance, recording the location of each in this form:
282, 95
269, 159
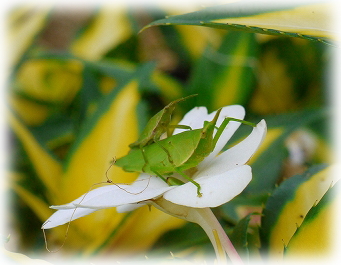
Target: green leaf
180, 239
104, 134
30, 111
98, 37
239, 236
268, 163
170, 88
25, 24
289, 204
314, 237
44, 79
173, 39
242, 205
290, 76
310, 21
117, 69
105, 105
37, 205
46, 165
121, 72
58, 130
225, 76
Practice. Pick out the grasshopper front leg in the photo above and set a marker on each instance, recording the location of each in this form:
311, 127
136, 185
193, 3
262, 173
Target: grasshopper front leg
223, 125
174, 181
190, 180
178, 126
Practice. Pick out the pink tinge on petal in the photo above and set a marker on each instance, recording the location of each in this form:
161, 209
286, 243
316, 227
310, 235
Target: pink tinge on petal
235, 156
216, 189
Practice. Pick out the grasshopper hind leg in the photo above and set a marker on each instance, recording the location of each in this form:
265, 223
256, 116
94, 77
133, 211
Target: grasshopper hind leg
173, 181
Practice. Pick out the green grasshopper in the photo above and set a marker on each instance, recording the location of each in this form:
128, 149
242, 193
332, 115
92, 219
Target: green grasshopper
158, 125
177, 153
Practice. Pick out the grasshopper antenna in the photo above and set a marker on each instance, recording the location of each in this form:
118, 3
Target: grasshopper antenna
65, 236
106, 172
109, 181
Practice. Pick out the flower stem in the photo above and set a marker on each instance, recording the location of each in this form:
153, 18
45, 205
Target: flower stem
206, 219
221, 257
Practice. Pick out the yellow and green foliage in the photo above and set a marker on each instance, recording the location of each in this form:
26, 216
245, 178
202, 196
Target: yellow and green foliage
79, 95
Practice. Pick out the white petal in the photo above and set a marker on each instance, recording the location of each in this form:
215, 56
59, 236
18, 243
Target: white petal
87, 196
233, 111
119, 194
129, 207
149, 180
194, 118
236, 155
116, 197
143, 188
64, 216
216, 190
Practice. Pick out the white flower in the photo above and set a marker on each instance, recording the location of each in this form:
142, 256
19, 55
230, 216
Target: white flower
221, 177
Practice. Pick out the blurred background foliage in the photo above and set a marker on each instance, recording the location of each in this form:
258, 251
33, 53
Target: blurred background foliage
82, 85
